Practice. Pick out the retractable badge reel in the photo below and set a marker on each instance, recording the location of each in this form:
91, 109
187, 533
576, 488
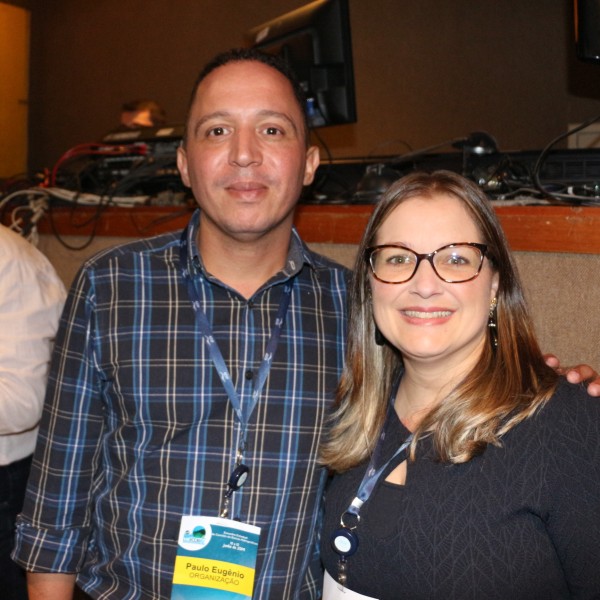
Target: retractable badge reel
236, 481
344, 542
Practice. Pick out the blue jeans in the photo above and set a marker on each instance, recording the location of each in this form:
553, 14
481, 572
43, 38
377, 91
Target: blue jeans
13, 479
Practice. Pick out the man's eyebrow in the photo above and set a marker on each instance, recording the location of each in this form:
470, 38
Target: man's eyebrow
219, 114
223, 114
280, 115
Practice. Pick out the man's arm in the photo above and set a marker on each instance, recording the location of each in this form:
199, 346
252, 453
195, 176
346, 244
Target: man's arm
31, 300
50, 586
577, 374
52, 530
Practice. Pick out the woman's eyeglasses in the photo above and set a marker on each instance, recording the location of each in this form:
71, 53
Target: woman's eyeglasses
454, 263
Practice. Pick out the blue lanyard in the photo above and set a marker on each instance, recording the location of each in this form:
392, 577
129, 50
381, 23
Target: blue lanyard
243, 411
344, 540
372, 475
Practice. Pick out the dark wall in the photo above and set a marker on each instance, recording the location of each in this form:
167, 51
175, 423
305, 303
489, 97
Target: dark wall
425, 71
19, 3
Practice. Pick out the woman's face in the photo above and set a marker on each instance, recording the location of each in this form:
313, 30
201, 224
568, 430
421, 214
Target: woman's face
426, 318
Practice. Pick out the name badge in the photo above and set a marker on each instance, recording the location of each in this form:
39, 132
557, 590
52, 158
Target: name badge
332, 590
215, 554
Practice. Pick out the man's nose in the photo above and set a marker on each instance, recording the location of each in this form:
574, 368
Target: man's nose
245, 149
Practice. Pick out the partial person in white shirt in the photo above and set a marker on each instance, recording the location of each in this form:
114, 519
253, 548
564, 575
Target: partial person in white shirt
31, 300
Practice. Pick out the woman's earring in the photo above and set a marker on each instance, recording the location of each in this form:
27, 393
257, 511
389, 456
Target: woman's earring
492, 322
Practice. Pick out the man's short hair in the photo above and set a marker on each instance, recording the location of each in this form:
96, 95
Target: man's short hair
253, 55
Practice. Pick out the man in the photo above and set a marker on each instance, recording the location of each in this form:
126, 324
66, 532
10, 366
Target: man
185, 356
139, 429
31, 299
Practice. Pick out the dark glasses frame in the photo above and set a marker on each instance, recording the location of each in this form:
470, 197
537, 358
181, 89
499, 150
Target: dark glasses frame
371, 250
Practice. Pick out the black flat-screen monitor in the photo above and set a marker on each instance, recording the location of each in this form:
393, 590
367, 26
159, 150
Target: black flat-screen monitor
587, 29
316, 42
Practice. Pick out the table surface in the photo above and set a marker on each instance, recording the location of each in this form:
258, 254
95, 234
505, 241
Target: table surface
528, 228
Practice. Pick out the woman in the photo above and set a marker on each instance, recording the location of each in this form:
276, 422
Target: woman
464, 466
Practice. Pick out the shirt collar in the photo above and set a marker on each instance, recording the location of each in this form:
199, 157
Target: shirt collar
298, 254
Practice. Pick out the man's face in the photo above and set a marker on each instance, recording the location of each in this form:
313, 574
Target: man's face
245, 157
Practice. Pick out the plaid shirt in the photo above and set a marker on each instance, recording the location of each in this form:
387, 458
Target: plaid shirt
138, 430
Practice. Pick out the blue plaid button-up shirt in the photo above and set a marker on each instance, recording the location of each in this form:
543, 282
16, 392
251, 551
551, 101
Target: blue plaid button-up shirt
138, 430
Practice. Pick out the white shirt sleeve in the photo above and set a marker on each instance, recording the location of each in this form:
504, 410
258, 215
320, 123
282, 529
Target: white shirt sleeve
31, 301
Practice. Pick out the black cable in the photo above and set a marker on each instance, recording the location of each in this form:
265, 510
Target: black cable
542, 157
94, 219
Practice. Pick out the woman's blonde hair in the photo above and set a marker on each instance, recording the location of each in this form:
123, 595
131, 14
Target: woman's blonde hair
506, 386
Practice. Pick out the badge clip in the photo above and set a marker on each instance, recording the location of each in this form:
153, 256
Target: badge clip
236, 481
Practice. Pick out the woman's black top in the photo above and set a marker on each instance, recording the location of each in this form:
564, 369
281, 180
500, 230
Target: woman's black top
521, 521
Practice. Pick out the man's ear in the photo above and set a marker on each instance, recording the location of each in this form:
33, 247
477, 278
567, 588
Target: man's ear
182, 165
312, 162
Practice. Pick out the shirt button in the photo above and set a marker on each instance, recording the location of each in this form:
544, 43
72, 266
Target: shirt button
249, 375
